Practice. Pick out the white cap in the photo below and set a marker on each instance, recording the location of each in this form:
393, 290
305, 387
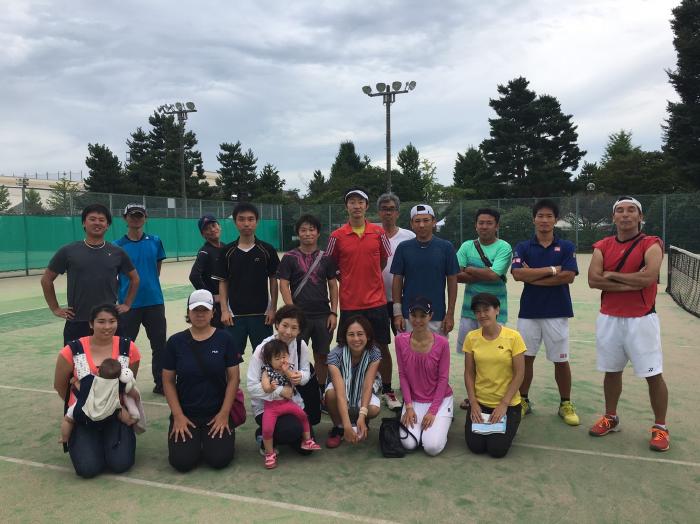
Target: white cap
422, 209
357, 192
627, 200
200, 297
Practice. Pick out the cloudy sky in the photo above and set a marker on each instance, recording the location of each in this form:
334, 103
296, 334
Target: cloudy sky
285, 78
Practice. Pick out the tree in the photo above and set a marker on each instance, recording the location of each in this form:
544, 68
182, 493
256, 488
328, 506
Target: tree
237, 178
63, 197
4, 198
155, 165
410, 184
624, 166
317, 186
105, 171
532, 150
271, 186
682, 129
432, 189
32, 203
347, 162
471, 172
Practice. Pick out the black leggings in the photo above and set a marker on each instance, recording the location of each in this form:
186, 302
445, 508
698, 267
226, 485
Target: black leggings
496, 444
214, 451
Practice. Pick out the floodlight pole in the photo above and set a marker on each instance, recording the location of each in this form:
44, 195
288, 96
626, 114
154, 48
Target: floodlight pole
389, 97
180, 110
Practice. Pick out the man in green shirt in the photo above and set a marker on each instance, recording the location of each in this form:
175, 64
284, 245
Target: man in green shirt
484, 263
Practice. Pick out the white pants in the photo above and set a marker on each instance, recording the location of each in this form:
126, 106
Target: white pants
435, 437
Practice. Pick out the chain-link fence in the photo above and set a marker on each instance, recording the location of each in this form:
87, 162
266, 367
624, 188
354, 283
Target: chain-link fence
38, 221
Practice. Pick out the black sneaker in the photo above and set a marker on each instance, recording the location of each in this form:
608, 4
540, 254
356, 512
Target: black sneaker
158, 389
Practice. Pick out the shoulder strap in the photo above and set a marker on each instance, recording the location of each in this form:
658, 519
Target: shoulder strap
485, 259
124, 346
622, 261
311, 269
76, 347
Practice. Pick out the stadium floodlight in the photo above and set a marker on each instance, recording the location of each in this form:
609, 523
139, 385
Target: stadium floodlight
180, 110
388, 93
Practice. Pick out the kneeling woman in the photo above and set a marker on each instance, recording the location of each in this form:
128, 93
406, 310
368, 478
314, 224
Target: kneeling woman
112, 443
352, 370
200, 379
493, 371
424, 369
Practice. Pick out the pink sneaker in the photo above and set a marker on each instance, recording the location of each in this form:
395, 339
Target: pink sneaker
310, 445
271, 460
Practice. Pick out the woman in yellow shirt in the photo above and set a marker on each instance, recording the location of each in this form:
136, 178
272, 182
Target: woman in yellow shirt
493, 371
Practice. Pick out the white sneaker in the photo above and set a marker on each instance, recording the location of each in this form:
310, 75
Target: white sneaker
391, 401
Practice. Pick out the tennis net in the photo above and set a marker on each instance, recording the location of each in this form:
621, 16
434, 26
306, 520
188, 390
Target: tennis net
684, 279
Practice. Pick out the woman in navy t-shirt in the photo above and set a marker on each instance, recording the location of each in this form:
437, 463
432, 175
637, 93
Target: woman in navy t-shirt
200, 380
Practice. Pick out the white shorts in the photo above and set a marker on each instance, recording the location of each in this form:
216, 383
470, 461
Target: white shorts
465, 326
622, 339
554, 332
434, 325
373, 400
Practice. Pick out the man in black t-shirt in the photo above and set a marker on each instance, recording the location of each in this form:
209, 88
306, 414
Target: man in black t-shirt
92, 266
311, 294
247, 283
201, 275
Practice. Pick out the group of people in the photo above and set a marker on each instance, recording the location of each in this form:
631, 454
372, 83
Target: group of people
370, 281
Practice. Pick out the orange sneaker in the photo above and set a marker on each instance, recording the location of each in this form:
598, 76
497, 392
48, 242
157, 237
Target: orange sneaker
659, 439
604, 425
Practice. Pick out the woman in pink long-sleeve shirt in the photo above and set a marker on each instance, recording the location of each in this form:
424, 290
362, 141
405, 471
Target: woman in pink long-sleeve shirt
424, 367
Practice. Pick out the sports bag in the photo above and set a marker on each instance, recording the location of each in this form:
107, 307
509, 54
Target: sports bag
390, 437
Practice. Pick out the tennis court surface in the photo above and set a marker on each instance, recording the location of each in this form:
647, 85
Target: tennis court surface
553, 473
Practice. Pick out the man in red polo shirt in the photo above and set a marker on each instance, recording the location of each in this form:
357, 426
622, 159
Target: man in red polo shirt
361, 250
625, 267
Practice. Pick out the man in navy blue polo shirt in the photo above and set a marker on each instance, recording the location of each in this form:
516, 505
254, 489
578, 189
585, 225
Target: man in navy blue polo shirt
147, 254
547, 265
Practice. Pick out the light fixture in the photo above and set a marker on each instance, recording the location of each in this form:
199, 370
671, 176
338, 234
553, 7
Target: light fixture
381, 87
411, 85
178, 105
396, 86
366, 90
190, 106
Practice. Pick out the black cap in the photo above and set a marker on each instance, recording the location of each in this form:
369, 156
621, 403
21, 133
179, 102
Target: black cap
485, 299
422, 304
205, 221
132, 209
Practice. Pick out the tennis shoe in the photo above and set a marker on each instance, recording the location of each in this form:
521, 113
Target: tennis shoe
660, 439
605, 425
391, 401
271, 460
335, 437
568, 413
525, 407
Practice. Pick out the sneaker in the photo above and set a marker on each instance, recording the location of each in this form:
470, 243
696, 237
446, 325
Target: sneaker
659, 439
158, 389
271, 460
391, 401
568, 413
310, 445
525, 407
604, 425
335, 437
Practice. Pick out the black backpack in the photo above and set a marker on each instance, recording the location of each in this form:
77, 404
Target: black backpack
390, 437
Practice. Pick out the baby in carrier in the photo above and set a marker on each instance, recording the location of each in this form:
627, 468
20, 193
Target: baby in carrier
99, 397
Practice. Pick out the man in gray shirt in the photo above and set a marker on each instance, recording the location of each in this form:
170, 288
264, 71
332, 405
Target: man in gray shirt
92, 266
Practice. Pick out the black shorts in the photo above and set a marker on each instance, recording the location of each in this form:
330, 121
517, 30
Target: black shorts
390, 312
378, 318
316, 330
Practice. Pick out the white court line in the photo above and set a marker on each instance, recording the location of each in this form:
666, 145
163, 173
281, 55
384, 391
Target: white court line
534, 446
207, 493
610, 455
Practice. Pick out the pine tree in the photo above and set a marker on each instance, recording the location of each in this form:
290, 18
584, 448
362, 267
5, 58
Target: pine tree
532, 150
471, 173
269, 181
4, 198
32, 203
237, 179
409, 185
105, 171
682, 129
317, 186
347, 163
64, 196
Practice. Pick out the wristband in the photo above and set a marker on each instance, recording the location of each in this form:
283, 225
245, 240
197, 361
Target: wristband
409, 406
554, 271
397, 309
334, 314
363, 411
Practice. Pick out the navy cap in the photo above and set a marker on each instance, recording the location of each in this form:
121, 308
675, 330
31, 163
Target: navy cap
205, 221
422, 304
